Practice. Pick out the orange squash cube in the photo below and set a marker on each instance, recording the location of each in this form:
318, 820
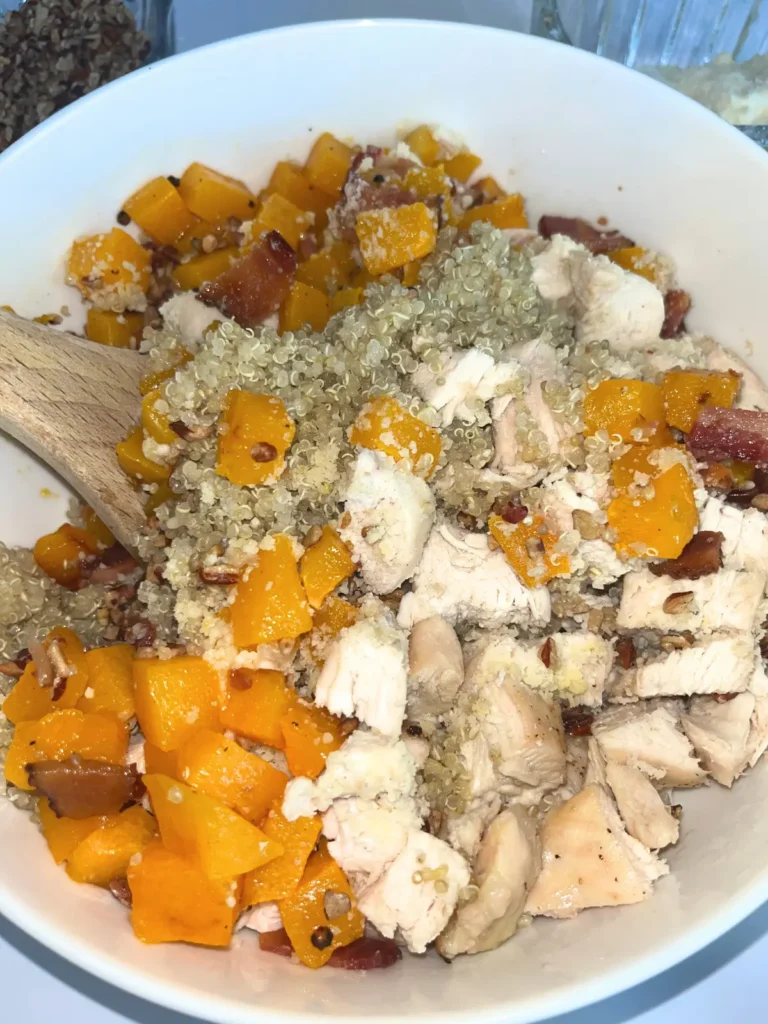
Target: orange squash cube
256, 433
423, 143
134, 463
255, 704
508, 212
190, 243
161, 762
631, 410
659, 526
215, 197
94, 527
205, 831
334, 615
107, 851
220, 768
21, 752
154, 380
640, 459
175, 697
386, 426
107, 262
426, 182
110, 682
117, 330
281, 877
328, 164
462, 166
28, 701
329, 269
63, 835
290, 181
411, 274
637, 260
279, 214
59, 555
390, 238
303, 912
173, 901
270, 603
195, 272
325, 565
159, 210
686, 392
490, 188
530, 549
161, 493
346, 297
310, 734
156, 423
305, 307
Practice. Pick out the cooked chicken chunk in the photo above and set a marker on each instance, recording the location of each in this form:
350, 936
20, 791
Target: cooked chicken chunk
758, 735
726, 600
390, 515
465, 382
465, 831
721, 662
262, 917
646, 816
589, 860
745, 534
364, 837
189, 316
365, 671
460, 579
720, 734
505, 870
417, 894
435, 668
753, 394
649, 737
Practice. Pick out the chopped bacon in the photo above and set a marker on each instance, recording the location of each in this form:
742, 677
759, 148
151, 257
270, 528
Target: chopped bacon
512, 513
109, 567
79, 789
361, 196
676, 306
581, 231
578, 721
360, 955
720, 434
254, 287
701, 556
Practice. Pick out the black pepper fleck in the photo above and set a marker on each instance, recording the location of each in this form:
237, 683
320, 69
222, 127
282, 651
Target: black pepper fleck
123, 218
322, 937
174, 180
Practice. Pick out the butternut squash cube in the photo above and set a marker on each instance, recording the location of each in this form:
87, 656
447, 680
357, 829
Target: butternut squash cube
426, 182
390, 238
310, 734
175, 697
640, 459
220, 768
279, 214
159, 210
508, 212
270, 603
423, 143
490, 188
256, 433
411, 274
305, 307
28, 701
21, 752
63, 835
156, 423
134, 463
103, 536
387, 427
161, 762
303, 912
255, 704
215, 197
631, 410
205, 831
462, 166
346, 297
59, 555
334, 615
325, 565
328, 164
117, 330
637, 260
290, 181
110, 682
173, 901
686, 392
190, 243
329, 269
658, 526
107, 851
530, 549
108, 261
281, 877
195, 272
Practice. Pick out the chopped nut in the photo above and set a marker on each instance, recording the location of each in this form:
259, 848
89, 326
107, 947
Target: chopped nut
312, 536
155, 572
760, 501
190, 433
208, 243
587, 525
469, 522
595, 620
676, 641
678, 603
222, 575
335, 904
121, 891
62, 670
345, 521
625, 649
239, 679
546, 651
10, 668
262, 451
43, 666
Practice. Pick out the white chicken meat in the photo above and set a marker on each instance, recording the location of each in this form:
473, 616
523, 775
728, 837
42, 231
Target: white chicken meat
435, 668
753, 394
720, 663
720, 734
745, 534
189, 316
646, 817
365, 837
463, 385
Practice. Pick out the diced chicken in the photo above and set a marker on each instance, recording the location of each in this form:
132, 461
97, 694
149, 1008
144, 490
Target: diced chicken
720, 663
435, 668
758, 734
465, 831
277, 657
417, 894
391, 512
135, 754
418, 748
589, 860
506, 868
460, 579
189, 316
595, 773
745, 534
364, 837
649, 737
365, 672
726, 600
646, 816
552, 268
720, 732
263, 917
753, 394
465, 382
368, 765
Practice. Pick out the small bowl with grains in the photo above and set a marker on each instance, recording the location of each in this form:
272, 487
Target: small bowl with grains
442, 643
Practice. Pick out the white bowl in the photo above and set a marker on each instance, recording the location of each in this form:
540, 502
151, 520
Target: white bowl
577, 135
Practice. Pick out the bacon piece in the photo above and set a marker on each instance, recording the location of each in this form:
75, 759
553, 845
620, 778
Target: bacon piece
676, 306
253, 288
78, 788
720, 434
578, 721
701, 556
360, 955
583, 232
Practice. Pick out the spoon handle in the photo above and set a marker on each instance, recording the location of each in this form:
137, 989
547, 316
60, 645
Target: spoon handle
70, 401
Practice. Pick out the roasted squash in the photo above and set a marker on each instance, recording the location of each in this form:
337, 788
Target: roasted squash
386, 426
270, 603
281, 877
391, 237
174, 697
255, 703
256, 432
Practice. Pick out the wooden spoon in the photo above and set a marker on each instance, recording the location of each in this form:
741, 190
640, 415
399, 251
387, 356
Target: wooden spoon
70, 401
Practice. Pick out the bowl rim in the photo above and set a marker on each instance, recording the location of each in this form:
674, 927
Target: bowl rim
219, 1009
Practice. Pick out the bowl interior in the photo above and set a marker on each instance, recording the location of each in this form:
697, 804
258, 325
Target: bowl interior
577, 136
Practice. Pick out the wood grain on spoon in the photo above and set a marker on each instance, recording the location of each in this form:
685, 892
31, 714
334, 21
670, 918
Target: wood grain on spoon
70, 401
